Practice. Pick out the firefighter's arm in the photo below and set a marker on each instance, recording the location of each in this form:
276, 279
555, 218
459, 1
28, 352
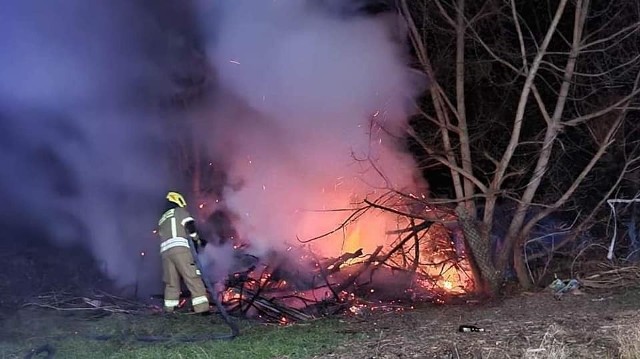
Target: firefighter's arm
190, 226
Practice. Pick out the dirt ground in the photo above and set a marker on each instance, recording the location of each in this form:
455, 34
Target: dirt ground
526, 325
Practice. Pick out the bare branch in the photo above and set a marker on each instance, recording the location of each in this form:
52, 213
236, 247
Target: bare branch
517, 125
588, 220
624, 33
449, 164
523, 52
437, 96
600, 74
444, 14
549, 140
616, 106
576, 183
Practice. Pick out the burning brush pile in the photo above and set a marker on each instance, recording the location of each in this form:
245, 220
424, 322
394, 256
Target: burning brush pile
424, 261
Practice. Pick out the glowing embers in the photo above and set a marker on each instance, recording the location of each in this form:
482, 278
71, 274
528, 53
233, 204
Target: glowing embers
442, 261
425, 263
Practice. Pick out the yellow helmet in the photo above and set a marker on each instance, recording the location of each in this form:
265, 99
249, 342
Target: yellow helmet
176, 198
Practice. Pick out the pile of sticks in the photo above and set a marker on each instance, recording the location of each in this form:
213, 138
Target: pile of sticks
273, 300
612, 277
335, 287
99, 303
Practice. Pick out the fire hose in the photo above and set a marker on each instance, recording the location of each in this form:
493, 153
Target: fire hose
235, 331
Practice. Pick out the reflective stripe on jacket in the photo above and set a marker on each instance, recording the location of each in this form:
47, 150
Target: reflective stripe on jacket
173, 242
172, 224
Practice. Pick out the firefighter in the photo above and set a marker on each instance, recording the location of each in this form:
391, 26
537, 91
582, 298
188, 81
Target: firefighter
177, 231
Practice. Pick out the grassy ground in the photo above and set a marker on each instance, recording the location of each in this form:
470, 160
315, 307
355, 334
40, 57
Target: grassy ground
526, 325
68, 334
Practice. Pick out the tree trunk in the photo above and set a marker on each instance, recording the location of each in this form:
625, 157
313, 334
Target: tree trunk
520, 266
480, 250
516, 235
465, 150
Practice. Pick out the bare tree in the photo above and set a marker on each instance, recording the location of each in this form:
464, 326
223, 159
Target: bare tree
563, 69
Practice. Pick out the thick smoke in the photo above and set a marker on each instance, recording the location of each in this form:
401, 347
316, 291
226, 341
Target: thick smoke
82, 155
311, 105
309, 100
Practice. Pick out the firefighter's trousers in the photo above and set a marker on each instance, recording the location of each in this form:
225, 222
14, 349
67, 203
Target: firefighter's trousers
177, 263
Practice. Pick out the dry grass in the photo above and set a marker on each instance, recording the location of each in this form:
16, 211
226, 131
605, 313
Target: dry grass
551, 347
628, 339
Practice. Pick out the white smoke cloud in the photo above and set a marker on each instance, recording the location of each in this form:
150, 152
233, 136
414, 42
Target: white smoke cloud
81, 154
299, 88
